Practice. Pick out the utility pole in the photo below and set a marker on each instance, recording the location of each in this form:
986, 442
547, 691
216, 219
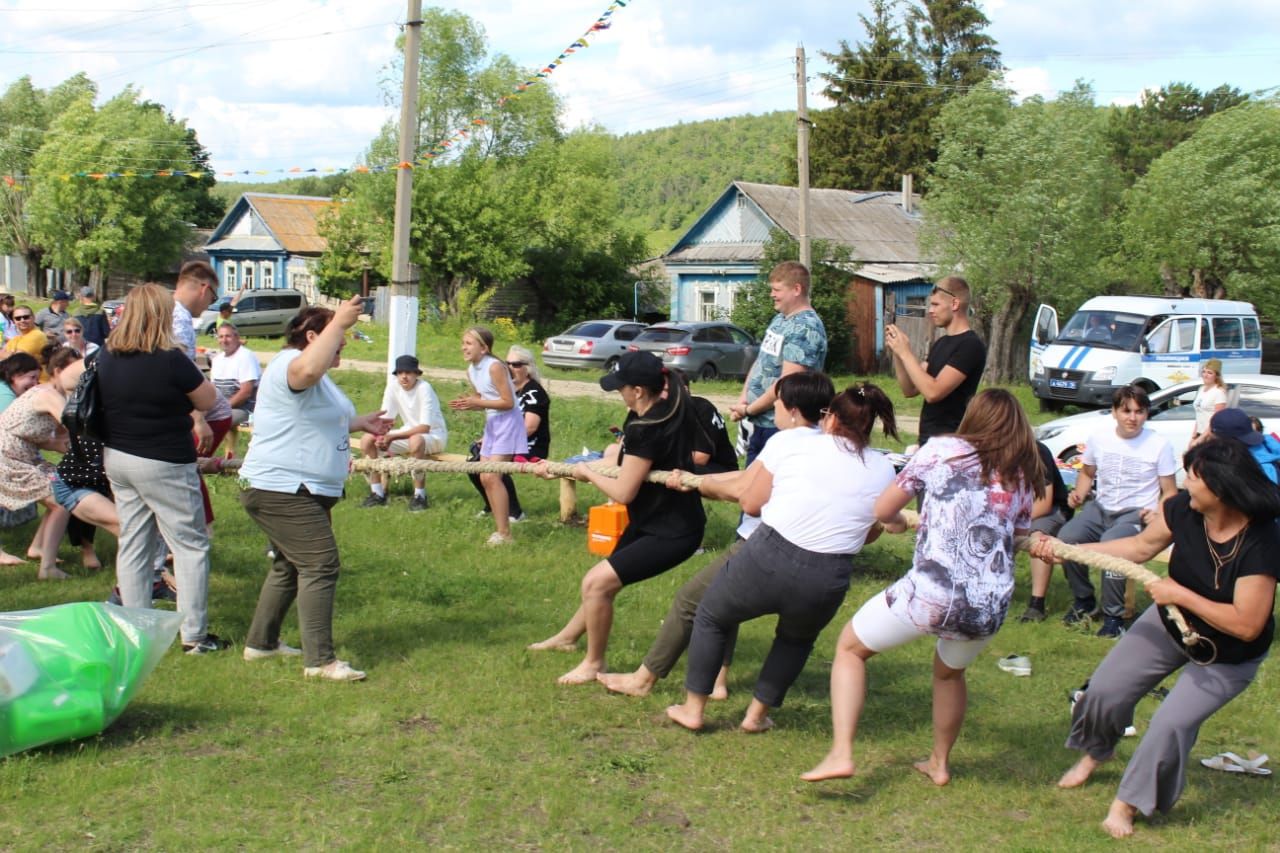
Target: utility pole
403, 313
802, 156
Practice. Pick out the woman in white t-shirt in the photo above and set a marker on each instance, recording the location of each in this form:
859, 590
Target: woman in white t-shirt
1210, 398
814, 493
976, 489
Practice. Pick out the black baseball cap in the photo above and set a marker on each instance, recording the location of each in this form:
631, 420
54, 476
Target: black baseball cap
1234, 423
635, 368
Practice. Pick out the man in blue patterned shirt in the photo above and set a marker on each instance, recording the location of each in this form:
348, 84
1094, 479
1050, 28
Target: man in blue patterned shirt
795, 340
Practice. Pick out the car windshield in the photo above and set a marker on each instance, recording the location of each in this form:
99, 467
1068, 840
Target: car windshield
589, 330
1111, 329
661, 335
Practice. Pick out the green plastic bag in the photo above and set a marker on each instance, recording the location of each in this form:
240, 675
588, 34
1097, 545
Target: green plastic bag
68, 672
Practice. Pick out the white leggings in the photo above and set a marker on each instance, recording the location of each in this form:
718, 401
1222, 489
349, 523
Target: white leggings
877, 628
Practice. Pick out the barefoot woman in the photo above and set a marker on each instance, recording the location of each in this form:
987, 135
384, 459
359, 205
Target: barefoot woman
1222, 576
665, 526
975, 489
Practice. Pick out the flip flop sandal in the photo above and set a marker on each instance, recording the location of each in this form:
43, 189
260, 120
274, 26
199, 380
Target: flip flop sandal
1229, 762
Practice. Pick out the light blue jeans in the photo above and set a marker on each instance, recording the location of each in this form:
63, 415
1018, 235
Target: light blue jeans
157, 499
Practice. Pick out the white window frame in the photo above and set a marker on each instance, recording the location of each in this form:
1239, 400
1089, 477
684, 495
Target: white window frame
268, 276
230, 281
703, 315
247, 276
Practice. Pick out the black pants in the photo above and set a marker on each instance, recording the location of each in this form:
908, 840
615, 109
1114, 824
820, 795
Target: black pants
514, 510
768, 575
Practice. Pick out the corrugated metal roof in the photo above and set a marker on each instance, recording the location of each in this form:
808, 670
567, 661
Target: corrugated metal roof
872, 224
717, 252
245, 244
292, 219
897, 273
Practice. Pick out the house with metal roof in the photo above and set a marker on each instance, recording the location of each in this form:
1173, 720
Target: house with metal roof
722, 252
269, 241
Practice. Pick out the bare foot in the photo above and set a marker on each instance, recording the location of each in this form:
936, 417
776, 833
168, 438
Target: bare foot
52, 574
90, 561
685, 716
7, 559
33, 554
629, 683
553, 644
937, 774
1119, 821
583, 673
756, 725
830, 767
720, 692
1079, 772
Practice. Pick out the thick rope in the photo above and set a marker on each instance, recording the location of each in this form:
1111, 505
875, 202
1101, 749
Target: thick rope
400, 466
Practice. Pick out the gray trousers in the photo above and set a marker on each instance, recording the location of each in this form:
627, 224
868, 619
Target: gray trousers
768, 575
306, 568
159, 502
677, 627
1095, 524
1141, 659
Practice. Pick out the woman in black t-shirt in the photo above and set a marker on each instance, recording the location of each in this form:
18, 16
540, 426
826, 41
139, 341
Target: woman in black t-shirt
664, 527
1222, 576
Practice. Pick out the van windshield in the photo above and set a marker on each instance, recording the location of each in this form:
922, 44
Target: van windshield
1111, 329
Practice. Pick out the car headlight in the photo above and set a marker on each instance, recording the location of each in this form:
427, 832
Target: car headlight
1106, 374
1037, 367
1045, 433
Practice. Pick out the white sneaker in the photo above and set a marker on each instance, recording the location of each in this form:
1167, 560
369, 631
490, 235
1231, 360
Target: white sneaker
282, 649
1015, 664
496, 539
518, 519
339, 670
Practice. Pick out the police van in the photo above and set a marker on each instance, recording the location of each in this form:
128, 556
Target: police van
1152, 341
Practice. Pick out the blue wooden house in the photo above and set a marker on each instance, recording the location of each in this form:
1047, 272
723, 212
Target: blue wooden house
269, 241
722, 252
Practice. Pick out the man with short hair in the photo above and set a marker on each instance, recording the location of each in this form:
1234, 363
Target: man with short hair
195, 291
50, 319
949, 376
29, 338
1134, 469
235, 372
86, 305
422, 431
796, 340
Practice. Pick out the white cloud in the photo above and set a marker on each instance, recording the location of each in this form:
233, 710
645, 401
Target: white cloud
1030, 81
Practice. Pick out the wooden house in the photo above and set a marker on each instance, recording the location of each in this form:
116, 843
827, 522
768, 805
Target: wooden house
269, 241
723, 250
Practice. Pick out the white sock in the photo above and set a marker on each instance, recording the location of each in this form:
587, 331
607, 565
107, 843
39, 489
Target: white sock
379, 490
419, 492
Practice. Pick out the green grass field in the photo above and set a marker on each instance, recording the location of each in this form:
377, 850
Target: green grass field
462, 739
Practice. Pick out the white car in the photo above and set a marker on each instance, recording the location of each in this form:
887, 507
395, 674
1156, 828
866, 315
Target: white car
1172, 415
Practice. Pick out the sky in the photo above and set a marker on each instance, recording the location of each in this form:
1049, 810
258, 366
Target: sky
271, 85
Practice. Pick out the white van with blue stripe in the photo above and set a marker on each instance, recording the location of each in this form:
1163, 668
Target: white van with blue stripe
1152, 341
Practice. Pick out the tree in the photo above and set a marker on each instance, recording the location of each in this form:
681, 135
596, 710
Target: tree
948, 41
25, 116
828, 293
879, 126
137, 221
1162, 119
1206, 218
1018, 203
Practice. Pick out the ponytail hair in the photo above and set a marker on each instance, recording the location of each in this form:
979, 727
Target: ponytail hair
677, 395
854, 411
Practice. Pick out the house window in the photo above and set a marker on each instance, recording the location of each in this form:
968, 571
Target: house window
268, 276
229, 276
248, 275
707, 310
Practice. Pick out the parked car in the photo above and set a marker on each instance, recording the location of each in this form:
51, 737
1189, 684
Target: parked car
594, 344
701, 350
255, 312
1172, 415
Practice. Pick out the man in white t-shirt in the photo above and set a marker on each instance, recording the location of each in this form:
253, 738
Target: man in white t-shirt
422, 431
235, 372
1134, 469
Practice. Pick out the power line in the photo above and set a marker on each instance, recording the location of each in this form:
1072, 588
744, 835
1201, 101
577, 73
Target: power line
236, 41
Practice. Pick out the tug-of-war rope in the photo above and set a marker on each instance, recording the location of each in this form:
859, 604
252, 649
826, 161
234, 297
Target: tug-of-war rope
1196, 645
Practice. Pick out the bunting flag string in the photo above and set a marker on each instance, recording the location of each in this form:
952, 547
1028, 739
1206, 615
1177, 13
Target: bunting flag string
440, 148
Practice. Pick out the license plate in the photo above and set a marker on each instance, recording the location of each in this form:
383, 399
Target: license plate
1065, 384
562, 346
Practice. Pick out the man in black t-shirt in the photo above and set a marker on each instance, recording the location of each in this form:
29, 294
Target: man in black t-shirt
713, 452
949, 377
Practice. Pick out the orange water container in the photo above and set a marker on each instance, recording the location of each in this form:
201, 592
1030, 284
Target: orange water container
605, 524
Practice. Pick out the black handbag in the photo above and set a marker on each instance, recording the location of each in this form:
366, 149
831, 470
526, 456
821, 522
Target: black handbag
82, 416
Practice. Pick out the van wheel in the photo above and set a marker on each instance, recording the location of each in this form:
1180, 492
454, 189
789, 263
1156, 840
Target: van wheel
707, 371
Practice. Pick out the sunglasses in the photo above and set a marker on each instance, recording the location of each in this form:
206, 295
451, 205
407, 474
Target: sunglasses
18, 317
517, 364
940, 289
72, 330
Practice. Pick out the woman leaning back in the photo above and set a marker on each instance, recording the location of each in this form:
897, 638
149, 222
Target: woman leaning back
296, 467
1222, 576
976, 489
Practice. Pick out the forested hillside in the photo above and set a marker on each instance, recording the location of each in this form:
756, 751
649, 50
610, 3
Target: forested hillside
671, 175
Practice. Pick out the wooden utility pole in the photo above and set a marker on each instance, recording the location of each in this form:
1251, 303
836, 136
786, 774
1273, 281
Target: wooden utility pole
802, 156
403, 312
